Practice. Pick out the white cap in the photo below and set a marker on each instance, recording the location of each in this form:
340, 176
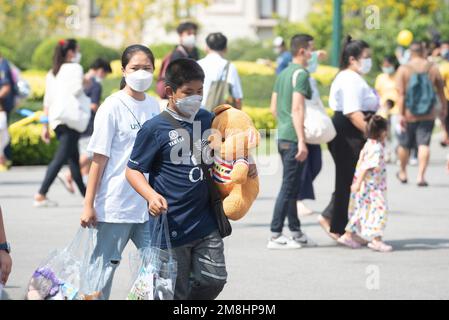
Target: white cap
278, 41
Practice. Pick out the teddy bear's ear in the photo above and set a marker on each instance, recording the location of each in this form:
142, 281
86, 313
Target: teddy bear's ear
221, 109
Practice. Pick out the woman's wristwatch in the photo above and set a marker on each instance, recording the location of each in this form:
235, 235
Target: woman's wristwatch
5, 247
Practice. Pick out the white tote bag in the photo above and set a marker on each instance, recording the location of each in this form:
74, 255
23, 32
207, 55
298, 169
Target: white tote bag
70, 107
318, 126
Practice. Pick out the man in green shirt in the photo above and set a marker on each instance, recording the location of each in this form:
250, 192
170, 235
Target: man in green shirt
291, 90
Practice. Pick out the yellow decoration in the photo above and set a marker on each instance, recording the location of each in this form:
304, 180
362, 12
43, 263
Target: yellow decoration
405, 38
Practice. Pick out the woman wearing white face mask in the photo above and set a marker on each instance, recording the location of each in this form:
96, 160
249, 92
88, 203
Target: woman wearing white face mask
351, 98
64, 94
112, 206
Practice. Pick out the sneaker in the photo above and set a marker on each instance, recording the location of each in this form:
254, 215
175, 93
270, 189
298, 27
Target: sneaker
283, 243
305, 241
45, 204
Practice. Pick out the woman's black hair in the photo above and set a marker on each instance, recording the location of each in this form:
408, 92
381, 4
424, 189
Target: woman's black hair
392, 60
60, 55
351, 48
376, 126
129, 53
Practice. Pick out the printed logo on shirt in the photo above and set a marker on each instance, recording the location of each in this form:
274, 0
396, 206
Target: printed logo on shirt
175, 139
173, 135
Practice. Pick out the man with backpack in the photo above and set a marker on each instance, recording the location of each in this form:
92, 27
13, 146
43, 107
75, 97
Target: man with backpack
186, 48
222, 83
419, 85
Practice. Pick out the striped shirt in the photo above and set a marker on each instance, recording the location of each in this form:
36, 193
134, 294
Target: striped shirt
222, 169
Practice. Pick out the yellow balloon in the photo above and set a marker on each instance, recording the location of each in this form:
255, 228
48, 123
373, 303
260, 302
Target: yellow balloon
405, 38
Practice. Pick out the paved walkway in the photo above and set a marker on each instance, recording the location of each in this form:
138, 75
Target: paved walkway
418, 229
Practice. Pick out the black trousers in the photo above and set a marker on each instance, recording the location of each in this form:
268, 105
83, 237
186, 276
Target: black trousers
67, 153
345, 150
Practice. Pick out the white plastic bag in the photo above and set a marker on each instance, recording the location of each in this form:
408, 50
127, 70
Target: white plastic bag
154, 269
318, 126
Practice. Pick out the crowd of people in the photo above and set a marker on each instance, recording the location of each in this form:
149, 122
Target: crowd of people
123, 149
374, 126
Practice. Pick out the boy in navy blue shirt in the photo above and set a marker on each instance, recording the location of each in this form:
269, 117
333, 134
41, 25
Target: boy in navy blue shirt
177, 186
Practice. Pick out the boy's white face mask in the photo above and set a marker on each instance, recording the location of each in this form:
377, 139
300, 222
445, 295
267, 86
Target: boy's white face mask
189, 106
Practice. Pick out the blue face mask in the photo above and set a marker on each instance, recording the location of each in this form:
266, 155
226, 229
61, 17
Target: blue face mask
313, 63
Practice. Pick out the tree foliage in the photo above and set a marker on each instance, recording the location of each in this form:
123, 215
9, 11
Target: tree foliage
425, 18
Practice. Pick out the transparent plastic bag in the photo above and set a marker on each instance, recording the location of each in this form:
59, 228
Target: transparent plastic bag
153, 269
71, 273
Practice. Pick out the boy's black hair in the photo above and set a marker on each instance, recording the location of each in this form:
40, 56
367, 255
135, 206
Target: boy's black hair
186, 26
376, 126
182, 71
217, 41
300, 41
101, 64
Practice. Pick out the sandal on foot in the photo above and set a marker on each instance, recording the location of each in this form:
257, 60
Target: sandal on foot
403, 181
325, 225
423, 184
65, 183
380, 247
349, 243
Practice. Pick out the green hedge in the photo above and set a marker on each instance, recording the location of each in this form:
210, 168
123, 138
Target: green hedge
249, 50
5, 52
28, 148
90, 49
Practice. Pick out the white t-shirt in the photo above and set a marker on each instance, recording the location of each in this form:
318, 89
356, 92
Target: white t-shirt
351, 93
115, 131
213, 65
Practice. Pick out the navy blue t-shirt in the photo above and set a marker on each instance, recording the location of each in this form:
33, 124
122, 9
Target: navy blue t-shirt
180, 181
94, 92
6, 79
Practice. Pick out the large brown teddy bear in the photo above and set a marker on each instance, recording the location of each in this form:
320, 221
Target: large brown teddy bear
233, 137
